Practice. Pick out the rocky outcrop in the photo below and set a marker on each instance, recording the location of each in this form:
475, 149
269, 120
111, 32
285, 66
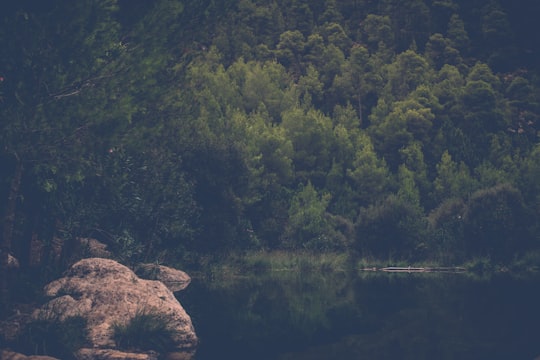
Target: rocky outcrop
89, 247
10, 355
106, 294
174, 279
110, 354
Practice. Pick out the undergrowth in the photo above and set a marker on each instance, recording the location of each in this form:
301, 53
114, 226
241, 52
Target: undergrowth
53, 337
147, 330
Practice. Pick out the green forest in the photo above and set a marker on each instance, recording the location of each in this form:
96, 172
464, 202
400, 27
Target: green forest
172, 130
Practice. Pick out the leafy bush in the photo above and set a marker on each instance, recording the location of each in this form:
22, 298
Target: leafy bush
129, 250
446, 231
495, 223
393, 228
147, 330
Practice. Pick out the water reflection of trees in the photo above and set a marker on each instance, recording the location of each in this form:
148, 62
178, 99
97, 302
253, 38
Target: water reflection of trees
270, 314
338, 315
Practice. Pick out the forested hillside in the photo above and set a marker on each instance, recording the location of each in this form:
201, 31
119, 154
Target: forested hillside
168, 129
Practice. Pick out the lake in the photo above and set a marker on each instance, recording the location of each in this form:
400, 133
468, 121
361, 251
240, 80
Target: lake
339, 315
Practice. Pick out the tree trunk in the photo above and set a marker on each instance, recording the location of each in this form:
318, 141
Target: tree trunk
7, 238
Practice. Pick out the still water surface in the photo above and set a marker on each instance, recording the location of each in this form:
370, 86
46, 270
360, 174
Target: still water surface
297, 316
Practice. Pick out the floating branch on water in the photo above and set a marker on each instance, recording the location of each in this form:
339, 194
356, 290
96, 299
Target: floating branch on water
409, 269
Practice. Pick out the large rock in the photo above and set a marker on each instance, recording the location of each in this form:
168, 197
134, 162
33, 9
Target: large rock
109, 354
174, 279
89, 247
11, 355
108, 293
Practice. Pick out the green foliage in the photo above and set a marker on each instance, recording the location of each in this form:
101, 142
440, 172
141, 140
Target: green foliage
130, 251
495, 223
457, 34
308, 224
453, 180
446, 229
178, 127
440, 51
530, 173
391, 229
264, 263
406, 73
289, 50
398, 126
146, 330
311, 136
378, 31
369, 174
448, 87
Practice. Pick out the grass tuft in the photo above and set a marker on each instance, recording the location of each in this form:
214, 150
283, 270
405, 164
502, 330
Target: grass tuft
147, 330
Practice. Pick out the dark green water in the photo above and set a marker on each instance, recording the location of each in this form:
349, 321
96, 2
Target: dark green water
311, 316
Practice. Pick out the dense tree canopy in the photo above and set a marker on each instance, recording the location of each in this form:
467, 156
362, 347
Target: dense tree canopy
172, 128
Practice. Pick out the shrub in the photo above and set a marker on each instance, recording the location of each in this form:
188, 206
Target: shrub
147, 330
495, 223
393, 228
446, 231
